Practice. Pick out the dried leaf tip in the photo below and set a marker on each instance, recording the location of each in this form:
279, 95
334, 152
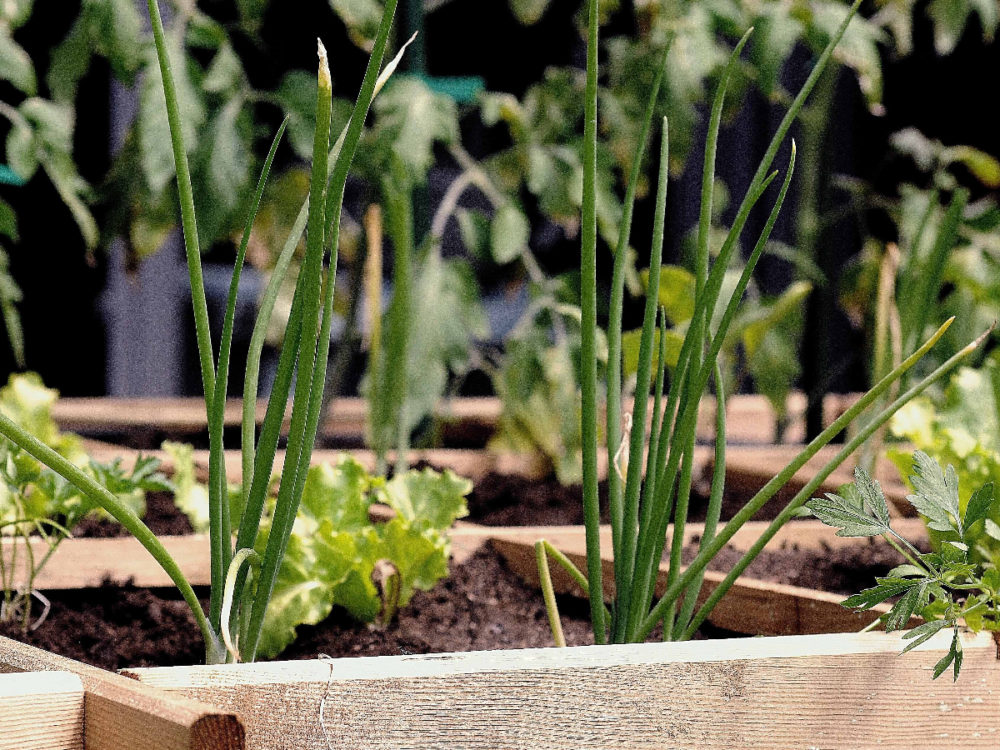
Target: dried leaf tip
324, 65
393, 64
972, 346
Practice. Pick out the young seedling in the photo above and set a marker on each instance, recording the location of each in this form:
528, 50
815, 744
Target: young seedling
945, 587
642, 506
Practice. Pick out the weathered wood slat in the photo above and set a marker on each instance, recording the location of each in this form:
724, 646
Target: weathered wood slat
845, 691
121, 714
748, 468
345, 419
750, 606
750, 417
41, 711
81, 563
472, 464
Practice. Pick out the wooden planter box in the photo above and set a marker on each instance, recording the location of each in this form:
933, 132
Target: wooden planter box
839, 690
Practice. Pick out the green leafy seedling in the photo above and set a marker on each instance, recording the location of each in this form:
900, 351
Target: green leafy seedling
944, 587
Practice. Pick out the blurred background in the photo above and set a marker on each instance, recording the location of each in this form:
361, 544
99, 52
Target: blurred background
479, 134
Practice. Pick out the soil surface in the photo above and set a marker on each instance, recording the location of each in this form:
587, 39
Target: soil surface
481, 605
513, 500
162, 517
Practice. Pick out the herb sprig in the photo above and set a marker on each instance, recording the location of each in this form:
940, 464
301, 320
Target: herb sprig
945, 587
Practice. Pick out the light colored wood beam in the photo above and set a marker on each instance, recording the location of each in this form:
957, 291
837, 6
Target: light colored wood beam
41, 711
845, 691
122, 714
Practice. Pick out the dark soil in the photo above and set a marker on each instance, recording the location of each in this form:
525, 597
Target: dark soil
481, 605
514, 500
162, 517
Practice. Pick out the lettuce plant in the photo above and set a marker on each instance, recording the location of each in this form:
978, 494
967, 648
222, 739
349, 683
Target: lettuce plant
641, 507
304, 354
338, 554
945, 587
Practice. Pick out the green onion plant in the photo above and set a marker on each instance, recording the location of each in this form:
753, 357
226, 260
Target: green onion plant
233, 631
642, 503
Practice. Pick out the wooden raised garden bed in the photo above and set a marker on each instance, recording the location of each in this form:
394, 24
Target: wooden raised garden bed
829, 690
815, 683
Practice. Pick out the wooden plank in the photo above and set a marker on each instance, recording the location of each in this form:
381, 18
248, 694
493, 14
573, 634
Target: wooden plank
85, 563
847, 691
187, 416
750, 417
121, 714
750, 606
469, 463
41, 711
82, 563
748, 468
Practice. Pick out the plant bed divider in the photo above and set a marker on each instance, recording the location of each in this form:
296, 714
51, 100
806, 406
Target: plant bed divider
787, 691
464, 421
469, 463
41, 711
748, 468
122, 714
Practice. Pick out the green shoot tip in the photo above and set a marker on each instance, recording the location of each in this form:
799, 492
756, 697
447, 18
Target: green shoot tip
324, 65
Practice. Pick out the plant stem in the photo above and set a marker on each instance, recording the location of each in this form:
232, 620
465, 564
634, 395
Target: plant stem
551, 607
588, 344
186, 196
297, 462
614, 391
643, 376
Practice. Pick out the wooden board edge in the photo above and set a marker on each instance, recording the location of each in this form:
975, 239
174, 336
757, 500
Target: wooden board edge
41, 711
847, 690
123, 713
82, 563
751, 606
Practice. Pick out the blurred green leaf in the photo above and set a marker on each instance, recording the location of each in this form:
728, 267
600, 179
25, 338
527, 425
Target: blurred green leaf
15, 65
361, 18
226, 72
412, 118
474, 227
8, 221
15, 13
297, 95
529, 12
675, 293
509, 233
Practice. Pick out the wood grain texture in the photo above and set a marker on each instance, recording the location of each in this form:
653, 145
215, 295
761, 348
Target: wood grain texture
829, 691
41, 711
179, 416
121, 714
